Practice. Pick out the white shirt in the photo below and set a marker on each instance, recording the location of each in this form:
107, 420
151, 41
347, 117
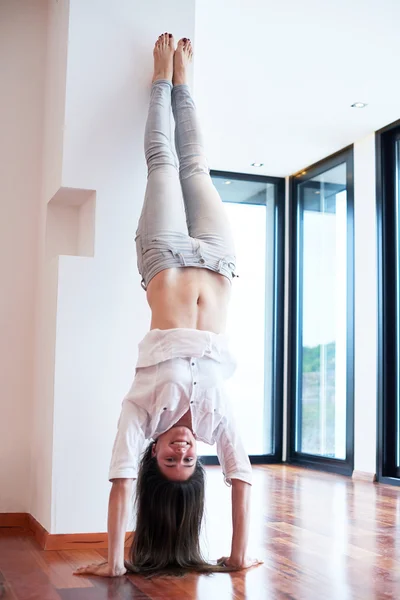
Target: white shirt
180, 370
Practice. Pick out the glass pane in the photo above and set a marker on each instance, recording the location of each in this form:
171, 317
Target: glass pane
321, 405
250, 209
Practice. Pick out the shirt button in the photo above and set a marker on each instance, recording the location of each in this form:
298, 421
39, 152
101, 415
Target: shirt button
165, 408
202, 261
192, 364
194, 382
191, 402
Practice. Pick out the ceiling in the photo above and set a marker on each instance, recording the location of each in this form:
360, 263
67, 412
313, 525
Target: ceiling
274, 82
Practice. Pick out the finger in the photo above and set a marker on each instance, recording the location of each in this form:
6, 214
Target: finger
82, 571
86, 570
255, 562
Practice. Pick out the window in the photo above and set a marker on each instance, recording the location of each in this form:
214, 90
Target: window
255, 207
388, 222
321, 316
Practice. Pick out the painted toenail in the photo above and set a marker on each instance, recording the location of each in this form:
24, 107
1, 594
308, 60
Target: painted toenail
170, 35
184, 39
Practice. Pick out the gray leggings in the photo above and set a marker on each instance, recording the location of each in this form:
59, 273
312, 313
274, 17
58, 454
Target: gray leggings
183, 221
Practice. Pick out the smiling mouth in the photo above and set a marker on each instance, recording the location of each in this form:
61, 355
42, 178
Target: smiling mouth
180, 443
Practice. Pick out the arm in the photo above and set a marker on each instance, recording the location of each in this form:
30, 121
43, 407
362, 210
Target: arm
240, 525
237, 472
127, 448
240, 520
118, 512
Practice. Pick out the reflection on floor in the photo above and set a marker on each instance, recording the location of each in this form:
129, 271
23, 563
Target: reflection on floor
321, 537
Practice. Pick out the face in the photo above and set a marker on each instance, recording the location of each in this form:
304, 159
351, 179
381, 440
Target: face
176, 453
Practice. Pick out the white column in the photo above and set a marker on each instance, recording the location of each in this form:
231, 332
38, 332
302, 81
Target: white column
366, 305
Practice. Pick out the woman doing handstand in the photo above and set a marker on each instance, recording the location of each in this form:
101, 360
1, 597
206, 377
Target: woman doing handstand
186, 258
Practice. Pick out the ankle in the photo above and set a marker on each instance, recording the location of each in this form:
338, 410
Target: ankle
162, 76
179, 79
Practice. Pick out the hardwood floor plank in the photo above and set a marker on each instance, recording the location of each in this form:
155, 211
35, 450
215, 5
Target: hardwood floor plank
107, 589
60, 570
26, 580
322, 537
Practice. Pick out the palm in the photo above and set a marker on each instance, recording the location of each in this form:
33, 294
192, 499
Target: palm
101, 570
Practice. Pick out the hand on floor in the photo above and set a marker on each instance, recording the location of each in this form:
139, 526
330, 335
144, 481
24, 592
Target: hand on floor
101, 570
246, 563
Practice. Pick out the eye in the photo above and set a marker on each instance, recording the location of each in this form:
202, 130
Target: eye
170, 459
189, 459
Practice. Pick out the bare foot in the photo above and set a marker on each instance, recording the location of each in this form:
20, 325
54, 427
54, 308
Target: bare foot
164, 57
182, 58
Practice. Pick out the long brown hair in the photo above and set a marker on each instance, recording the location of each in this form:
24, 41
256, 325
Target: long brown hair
168, 525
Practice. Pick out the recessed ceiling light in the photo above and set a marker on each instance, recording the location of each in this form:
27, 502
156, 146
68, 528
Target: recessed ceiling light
257, 164
227, 182
359, 105
317, 192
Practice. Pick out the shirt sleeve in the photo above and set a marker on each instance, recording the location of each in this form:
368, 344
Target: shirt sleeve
232, 456
129, 442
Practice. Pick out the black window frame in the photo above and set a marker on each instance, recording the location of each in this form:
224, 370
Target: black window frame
387, 351
333, 465
278, 320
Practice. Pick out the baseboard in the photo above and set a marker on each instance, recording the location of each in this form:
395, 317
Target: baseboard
11, 520
41, 534
78, 541
364, 476
56, 541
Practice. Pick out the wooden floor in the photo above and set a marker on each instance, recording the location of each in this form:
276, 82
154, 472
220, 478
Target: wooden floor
321, 536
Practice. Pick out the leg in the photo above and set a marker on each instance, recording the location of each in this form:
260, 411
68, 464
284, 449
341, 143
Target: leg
163, 208
205, 213
162, 237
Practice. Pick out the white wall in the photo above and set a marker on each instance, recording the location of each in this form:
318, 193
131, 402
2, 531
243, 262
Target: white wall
366, 305
65, 367
67, 364
101, 309
22, 66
